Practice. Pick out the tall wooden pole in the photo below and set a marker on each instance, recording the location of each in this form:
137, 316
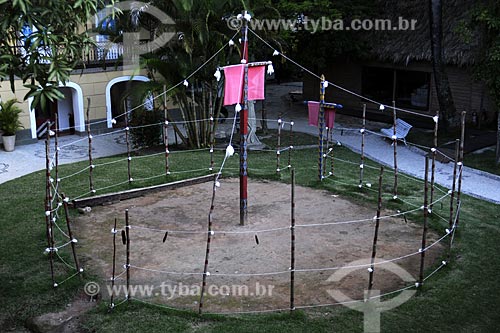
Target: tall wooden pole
127, 139
244, 130
434, 154
56, 148
321, 128
207, 252
362, 163
278, 148
127, 235
426, 213
114, 232
375, 235
395, 145
292, 245
48, 210
212, 127
461, 167
91, 162
165, 131
452, 194
290, 146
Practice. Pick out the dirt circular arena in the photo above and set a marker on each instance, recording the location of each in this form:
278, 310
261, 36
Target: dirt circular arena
243, 257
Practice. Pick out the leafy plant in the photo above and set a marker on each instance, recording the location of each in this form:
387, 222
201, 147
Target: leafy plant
9, 117
147, 129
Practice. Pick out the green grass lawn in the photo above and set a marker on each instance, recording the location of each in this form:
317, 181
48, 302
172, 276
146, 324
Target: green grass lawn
462, 297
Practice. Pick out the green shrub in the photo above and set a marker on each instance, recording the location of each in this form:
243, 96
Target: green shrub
146, 128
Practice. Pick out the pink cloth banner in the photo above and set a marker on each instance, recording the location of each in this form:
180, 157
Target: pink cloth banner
256, 81
233, 85
314, 115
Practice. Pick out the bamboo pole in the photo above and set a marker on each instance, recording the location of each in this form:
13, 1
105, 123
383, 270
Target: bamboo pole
165, 131
127, 235
434, 154
290, 147
112, 305
127, 139
207, 252
331, 151
70, 233
48, 210
292, 244
452, 194
91, 162
375, 236
212, 127
461, 168
278, 149
362, 163
56, 148
395, 144
426, 213
327, 149
321, 128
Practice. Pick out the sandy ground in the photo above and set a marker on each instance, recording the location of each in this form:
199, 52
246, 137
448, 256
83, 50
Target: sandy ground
249, 251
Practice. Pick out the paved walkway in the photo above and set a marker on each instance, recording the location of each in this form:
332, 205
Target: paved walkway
30, 158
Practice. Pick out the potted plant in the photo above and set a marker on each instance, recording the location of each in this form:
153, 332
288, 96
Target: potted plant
9, 123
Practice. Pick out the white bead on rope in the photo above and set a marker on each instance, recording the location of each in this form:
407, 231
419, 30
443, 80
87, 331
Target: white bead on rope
237, 107
276, 53
231, 42
185, 83
436, 119
381, 107
229, 151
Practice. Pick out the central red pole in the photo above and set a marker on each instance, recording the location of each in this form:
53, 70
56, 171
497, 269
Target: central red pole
244, 130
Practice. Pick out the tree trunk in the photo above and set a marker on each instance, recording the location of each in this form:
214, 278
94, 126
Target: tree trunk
446, 105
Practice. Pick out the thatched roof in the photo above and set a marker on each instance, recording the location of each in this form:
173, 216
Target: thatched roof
459, 47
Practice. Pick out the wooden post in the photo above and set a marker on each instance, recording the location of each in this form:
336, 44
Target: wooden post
70, 233
112, 305
395, 144
426, 213
362, 163
434, 154
48, 210
165, 131
91, 163
453, 186
331, 151
290, 146
292, 244
56, 149
127, 139
278, 147
327, 150
127, 235
375, 236
321, 128
207, 252
212, 127
461, 168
